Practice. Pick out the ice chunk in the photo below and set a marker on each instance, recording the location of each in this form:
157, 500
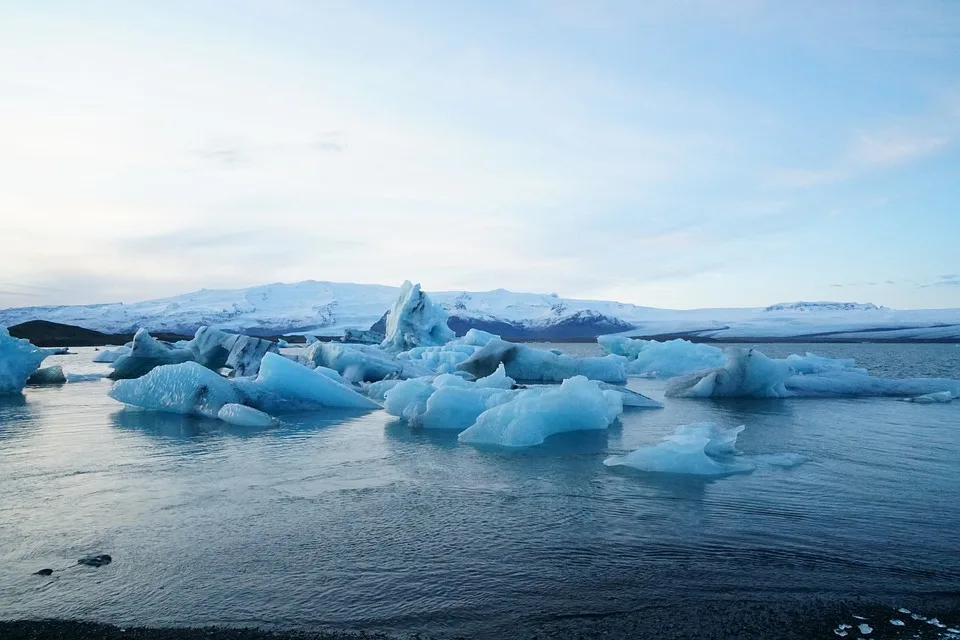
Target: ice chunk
700, 449
749, 373
458, 407
663, 359
282, 380
355, 362
940, 397
18, 360
188, 388
536, 414
216, 349
525, 364
408, 399
282, 344
145, 354
244, 416
48, 375
865, 629
112, 355
414, 321
631, 398
497, 380
361, 336
378, 390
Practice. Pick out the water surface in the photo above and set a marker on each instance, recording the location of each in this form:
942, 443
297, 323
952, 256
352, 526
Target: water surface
355, 521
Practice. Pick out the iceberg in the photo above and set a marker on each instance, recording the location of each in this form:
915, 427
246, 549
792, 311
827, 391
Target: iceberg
48, 375
147, 353
631, 398
941, 397
414, 321
444, 359
702, 449
284, 384
362, 336
18, 360
355, 362
655, 359
244, 416
749, 373
112, 355
211, 348
533, 415
188, 388
526, 364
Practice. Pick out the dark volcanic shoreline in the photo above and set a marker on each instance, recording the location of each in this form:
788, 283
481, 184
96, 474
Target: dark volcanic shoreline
802, 619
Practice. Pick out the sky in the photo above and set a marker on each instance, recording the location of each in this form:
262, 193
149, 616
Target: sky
669, 153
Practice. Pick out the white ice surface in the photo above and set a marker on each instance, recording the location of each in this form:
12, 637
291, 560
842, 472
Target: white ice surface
244, 416
188, 388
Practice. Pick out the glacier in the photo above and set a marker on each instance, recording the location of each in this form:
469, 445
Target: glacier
18, 360
534, 415
313, 308
748, 373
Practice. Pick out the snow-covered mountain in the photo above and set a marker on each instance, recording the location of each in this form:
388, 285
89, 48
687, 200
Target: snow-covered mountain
327, 308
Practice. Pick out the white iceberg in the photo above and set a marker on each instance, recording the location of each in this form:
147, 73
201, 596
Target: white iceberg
533, 415
112, 355
941, 397
655, 359
703, 449
48, 375
188, 388
445, 358
244, 416
212, 348
414, 321
18, 360
525, 364
355, 362
147, 353
748, 373
284, 384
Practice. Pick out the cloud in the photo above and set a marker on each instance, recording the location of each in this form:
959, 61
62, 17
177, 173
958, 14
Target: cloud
948, 280
893, 148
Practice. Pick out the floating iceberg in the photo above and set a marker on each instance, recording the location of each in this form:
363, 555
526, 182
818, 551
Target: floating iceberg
147, 353
193, 389
18, 360
444, 359
48, 375
533, 415
526, 364
355, 362
211, 348
703, 449
663, 359
187, 388
414, 321
284, 384
631, 398
362, 336
244, 416
941, 397
748, 373
112, 355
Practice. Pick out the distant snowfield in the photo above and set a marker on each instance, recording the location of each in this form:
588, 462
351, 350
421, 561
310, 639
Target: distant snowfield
328, 308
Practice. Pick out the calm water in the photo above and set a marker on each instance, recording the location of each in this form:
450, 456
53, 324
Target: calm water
354, 521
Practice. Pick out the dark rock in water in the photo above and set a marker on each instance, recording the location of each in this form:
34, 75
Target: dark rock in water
95, 561
44, 572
